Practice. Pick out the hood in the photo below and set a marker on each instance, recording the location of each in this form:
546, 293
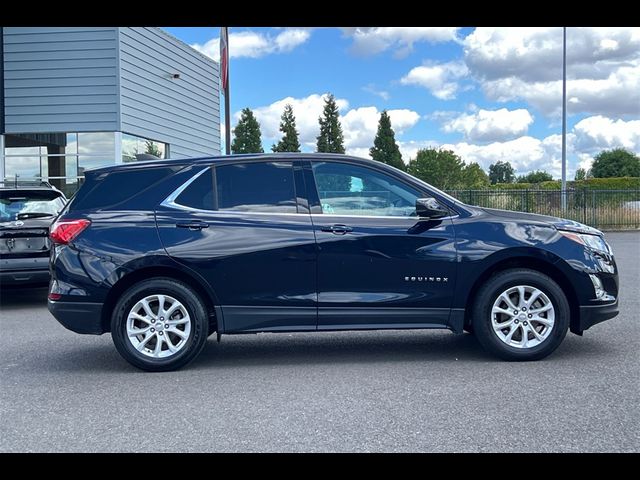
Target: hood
557, 222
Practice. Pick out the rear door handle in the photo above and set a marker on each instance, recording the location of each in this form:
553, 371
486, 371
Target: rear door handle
193, 225
337, 229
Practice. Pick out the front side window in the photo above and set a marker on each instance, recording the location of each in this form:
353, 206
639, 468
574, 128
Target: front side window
346, 189
243, 187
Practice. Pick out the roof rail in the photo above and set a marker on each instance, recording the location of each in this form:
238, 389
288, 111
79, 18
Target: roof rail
17, 182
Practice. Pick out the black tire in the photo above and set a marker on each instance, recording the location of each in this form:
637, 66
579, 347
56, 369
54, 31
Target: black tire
191, 302
488, 294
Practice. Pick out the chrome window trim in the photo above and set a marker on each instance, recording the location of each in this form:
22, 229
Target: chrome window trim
396, 217
170, 201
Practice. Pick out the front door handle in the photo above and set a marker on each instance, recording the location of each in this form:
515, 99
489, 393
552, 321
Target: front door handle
337, 229
193, 225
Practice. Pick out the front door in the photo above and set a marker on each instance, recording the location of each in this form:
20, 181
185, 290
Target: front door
379, 266
241, 228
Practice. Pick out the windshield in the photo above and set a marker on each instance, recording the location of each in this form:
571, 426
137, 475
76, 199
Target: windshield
21, 205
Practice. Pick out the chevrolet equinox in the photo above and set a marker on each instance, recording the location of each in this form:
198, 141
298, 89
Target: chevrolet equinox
164, 253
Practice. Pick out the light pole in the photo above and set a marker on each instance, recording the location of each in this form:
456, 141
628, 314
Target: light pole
564, 119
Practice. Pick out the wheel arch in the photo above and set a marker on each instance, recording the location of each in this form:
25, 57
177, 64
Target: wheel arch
146, 273
541, 265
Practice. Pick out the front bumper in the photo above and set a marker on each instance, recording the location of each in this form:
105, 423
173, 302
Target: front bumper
593, 314
79, 317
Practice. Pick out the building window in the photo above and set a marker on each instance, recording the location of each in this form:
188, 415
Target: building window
138, 148
62, 158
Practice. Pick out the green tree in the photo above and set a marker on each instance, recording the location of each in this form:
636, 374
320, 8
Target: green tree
385, 149
536, 176
616, 163
441, 168
331, 139
289, 141
581, 174
501, 172
151, 148
474, 177
247, 134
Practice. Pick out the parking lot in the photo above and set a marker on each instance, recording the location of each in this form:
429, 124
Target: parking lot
352, 391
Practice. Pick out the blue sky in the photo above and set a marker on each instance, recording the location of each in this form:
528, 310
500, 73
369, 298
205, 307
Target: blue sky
487, 93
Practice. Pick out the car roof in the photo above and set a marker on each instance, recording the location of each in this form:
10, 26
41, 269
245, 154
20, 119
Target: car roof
243, 157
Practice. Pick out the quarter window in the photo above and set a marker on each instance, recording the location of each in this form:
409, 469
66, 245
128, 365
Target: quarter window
346, 189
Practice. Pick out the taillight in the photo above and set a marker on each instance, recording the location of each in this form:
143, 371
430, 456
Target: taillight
62, 232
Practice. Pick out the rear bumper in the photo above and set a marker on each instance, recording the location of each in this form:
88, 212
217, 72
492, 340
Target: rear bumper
593, 314
20, 271
79, 317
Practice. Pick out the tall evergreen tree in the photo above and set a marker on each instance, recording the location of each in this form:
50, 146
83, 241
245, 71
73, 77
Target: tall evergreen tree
331, 139
385, 149
289, 141
247, 134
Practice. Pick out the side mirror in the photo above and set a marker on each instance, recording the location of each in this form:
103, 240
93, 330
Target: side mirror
430, 208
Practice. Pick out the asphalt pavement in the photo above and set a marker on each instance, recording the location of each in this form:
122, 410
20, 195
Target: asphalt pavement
418, 391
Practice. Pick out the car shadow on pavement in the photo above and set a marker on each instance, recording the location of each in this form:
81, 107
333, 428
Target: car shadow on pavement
346, 348
22, 296
343, 348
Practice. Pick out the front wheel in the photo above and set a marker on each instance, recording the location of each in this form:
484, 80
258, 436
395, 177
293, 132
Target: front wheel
159, 324
521, 314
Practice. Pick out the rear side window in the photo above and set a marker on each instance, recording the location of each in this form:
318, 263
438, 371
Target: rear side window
256, 187
243, 187
119, 186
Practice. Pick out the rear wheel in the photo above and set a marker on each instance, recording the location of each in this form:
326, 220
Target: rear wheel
159, 324
521, 314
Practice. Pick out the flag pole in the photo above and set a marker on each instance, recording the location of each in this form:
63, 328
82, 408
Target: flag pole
224, 64
564, 119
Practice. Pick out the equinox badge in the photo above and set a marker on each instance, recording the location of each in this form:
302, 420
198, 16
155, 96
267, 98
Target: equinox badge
426, 279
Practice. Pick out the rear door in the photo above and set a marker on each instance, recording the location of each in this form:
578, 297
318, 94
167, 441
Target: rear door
245, 228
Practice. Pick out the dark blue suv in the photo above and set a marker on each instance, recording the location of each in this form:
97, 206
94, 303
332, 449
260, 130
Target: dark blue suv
162, 254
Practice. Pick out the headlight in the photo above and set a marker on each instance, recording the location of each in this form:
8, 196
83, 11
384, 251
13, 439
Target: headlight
594, 242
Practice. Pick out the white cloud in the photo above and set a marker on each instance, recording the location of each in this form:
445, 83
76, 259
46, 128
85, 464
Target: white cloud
490, 125
588, 137
254, 44
371, 88
439, 78
597, 133
524, 153
359, 125
374, 40
409, 148
603, 67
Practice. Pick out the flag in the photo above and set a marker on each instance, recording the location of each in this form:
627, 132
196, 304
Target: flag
224, 58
